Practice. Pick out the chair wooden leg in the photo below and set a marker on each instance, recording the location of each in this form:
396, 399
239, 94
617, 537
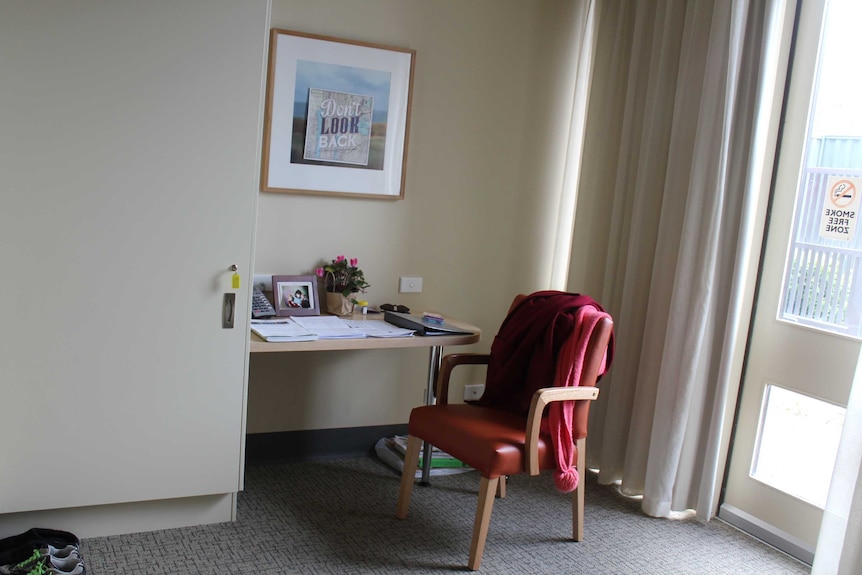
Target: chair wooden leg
408, 475
578, 495
487, 490
501, 487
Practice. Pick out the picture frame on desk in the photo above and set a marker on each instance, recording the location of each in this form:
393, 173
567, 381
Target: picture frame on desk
337, 117
295, 295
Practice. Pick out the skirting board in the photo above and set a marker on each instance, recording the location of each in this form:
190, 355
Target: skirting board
290, 446
779, 539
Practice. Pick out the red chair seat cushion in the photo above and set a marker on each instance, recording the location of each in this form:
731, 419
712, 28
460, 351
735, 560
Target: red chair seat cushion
487, 439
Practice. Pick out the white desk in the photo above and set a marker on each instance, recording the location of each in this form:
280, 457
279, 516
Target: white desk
435, 343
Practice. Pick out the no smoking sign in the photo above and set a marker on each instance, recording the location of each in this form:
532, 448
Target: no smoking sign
840, 208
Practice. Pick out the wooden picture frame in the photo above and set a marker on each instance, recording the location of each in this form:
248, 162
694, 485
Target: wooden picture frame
337, 118
295, 295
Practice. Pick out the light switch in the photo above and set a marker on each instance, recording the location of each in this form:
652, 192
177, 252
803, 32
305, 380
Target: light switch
410, 285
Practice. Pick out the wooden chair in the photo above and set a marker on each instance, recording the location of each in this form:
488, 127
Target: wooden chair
499, 443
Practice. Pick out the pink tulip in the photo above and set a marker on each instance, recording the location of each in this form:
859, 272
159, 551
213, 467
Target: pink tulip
319, 272
339, 258
354, 261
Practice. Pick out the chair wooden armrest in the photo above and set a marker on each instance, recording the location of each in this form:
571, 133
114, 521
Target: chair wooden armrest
446, 366
541, 399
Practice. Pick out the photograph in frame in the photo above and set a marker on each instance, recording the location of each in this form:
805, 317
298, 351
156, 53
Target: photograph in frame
337, 117
295, 295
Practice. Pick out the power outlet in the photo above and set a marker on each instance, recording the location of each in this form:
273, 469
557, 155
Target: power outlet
473, 392
263, 282
410, 285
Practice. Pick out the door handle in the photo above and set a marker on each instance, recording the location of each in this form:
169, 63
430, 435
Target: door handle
228, 310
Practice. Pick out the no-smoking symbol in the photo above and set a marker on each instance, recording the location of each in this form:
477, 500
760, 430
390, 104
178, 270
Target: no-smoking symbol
843, 193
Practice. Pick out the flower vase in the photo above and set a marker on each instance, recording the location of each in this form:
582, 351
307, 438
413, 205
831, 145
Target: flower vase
337, 304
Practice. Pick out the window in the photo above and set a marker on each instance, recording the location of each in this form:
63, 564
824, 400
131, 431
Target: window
797, 441
823, 272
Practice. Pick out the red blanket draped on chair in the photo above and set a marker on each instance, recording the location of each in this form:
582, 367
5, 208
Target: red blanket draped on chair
524, 358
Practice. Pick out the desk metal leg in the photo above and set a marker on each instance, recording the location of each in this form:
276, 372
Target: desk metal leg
434, 359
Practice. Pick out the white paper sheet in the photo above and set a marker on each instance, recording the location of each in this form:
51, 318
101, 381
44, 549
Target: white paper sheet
328, 327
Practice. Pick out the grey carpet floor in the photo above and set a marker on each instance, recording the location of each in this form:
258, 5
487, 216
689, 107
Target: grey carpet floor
338, 517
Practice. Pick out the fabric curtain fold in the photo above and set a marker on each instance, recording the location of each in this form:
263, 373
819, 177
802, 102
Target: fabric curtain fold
583, 29
679, 132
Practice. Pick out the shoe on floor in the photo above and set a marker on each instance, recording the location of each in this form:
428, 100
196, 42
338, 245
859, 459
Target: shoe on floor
42, 569
39, 564
19, 547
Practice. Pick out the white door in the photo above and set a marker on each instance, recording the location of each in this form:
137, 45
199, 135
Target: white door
805, 337
129, 133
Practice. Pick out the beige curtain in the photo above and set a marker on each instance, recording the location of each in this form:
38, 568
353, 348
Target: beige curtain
679, 143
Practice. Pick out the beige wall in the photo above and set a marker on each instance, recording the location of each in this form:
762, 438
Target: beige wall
489, 107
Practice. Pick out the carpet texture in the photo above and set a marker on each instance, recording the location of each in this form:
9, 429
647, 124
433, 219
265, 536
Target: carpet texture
338, 517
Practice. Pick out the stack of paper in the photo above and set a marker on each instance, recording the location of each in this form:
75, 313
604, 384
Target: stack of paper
328, 327
281, 330
378, 328
388, 450
307, 328
438, 458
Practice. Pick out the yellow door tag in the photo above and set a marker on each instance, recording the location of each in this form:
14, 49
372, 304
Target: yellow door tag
234, 281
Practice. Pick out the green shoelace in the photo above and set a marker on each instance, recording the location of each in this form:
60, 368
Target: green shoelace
29, 561
40, 569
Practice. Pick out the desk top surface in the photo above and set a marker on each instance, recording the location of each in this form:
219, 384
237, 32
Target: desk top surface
258, 345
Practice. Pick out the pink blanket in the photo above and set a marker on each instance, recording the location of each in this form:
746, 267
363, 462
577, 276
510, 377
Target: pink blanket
559, 421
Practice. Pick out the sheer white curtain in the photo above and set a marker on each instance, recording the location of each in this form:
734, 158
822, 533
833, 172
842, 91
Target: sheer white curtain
679, 143
583, 28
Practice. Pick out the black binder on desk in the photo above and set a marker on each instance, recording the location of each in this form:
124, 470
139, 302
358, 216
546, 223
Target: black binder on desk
421, 325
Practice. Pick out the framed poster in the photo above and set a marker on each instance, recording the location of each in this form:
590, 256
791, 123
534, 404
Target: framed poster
337, 117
